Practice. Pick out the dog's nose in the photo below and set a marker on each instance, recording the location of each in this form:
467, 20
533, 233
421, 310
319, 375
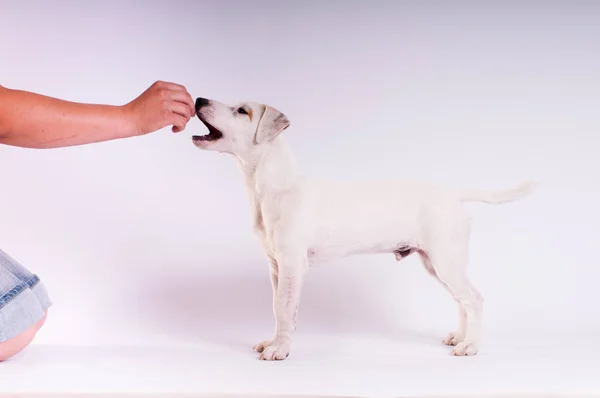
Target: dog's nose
200, 102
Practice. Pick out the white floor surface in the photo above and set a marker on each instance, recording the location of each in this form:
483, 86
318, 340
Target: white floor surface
352, 366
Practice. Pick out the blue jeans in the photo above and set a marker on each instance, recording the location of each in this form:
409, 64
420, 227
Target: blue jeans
23, 298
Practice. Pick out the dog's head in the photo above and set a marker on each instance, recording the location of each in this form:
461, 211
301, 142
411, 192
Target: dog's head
237, 129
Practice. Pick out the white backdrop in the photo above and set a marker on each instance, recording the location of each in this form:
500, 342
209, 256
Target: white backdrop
148, 240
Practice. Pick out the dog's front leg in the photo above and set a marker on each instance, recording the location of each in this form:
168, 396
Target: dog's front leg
289, 279
274, 273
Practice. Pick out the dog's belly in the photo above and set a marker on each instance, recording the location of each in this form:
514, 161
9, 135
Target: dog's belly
350, 221
324, 253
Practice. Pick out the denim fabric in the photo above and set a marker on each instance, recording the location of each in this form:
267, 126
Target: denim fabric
23, 298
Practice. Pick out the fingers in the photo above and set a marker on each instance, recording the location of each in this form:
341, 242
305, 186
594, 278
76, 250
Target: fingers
179, 103
182, 101
181, 109
176, 103
183, 97
178, 122
177, 89
182, 116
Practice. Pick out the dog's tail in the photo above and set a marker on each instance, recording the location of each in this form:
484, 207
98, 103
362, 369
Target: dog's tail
497, 197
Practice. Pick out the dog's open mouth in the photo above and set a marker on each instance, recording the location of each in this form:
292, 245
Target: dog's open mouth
213, 133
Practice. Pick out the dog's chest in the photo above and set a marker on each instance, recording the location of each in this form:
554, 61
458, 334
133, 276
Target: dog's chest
260, 225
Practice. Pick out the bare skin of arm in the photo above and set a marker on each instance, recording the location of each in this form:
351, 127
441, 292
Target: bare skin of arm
31, 120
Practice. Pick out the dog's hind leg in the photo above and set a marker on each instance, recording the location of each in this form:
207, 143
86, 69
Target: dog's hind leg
450, 271
453, 338
446, 258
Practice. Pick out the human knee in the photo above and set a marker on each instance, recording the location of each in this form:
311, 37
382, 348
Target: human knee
16, 344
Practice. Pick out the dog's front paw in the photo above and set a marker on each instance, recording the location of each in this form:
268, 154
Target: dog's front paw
464, 349
453, 338
273, 350
260, 347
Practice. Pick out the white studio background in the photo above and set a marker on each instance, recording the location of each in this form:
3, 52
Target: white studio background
148, 240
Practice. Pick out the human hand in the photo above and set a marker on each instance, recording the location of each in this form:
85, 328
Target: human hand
161, 105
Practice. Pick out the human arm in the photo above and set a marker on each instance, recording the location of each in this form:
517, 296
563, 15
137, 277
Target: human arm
35, 121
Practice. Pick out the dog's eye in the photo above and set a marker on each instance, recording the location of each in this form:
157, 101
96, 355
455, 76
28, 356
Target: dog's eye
242, 111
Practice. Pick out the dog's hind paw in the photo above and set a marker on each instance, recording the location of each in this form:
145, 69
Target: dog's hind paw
273, 350
453, 338
464, 349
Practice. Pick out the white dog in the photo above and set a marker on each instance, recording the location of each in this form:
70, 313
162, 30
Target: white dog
302, 221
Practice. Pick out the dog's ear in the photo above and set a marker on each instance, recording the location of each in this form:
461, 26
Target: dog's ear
270, 125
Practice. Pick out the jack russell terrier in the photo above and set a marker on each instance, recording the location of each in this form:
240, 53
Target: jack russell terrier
302, 221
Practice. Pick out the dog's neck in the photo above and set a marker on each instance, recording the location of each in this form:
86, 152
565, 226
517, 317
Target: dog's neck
270, 167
